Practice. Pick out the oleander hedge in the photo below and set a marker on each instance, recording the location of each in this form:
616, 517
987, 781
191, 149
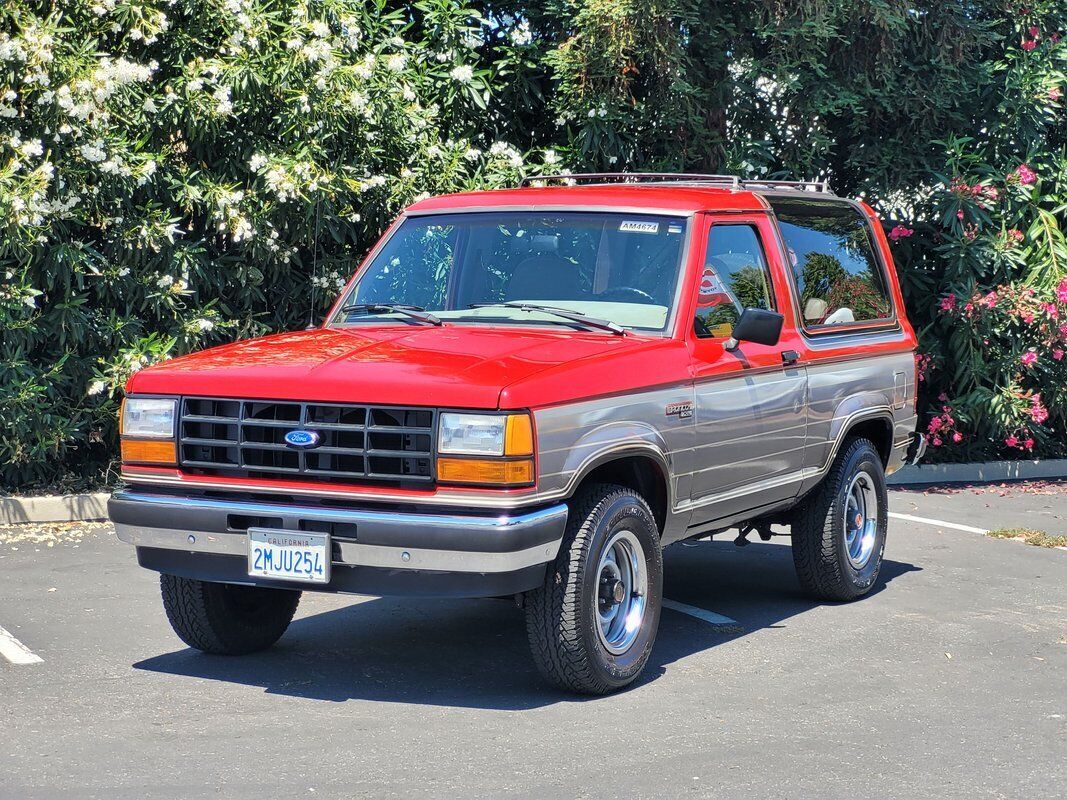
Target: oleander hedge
179, 173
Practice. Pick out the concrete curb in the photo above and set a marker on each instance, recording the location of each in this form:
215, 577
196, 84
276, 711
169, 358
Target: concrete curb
84, 507
990, 471
54, 508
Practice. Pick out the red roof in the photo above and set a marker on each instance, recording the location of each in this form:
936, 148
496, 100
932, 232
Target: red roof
650, 197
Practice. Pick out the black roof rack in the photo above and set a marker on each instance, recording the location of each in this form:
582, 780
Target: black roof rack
732, 182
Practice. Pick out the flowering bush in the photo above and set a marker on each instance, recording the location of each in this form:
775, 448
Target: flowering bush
1015, 395
177, 174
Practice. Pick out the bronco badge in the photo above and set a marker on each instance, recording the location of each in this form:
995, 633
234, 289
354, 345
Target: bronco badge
681, 410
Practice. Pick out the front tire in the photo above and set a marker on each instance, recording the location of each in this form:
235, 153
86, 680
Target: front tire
593, 623
839, 530
225, 619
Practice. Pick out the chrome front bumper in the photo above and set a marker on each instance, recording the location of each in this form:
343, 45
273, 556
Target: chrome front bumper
210, 531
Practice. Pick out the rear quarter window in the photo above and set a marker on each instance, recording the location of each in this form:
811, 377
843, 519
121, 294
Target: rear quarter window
839, 277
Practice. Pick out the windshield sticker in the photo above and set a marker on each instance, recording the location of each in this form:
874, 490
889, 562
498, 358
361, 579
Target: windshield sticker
674, 229
635, 226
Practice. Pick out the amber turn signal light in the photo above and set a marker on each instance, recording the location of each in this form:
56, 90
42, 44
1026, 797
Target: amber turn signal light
482, 470
518, 436
153, 451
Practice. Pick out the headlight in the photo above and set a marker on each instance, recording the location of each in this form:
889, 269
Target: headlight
504, 442
472, 434
148, 417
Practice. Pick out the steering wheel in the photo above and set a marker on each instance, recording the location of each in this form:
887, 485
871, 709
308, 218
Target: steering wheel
626, 291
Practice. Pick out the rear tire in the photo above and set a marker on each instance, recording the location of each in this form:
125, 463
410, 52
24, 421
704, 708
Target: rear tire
839, 530
593, 623
225, 619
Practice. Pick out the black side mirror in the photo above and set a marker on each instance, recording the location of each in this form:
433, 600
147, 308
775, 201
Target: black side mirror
756, 325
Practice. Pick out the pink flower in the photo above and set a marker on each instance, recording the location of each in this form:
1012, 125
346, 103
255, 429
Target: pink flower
1038, 414
1012, 441
990, 299
948, 302
1015, 235
1025, 175
1028, 358
937, 441
1028, 318
900, 232
1034, 32
1061, 291
1029, 444
1055, 93
959, 214
1057, 354
1029, 44
957, 437
1051, 310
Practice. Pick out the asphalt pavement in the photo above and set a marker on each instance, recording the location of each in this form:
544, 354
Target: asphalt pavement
947, 681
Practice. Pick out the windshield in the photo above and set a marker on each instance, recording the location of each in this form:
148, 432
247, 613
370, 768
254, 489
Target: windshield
622, 268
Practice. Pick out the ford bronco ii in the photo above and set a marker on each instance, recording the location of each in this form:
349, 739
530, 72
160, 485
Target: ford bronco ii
530, 393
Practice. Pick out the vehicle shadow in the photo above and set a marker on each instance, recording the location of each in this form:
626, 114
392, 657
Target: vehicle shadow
473, 653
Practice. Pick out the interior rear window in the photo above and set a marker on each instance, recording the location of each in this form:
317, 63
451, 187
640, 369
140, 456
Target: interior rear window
838, 275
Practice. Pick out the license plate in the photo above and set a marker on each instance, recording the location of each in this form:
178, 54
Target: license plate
289, 555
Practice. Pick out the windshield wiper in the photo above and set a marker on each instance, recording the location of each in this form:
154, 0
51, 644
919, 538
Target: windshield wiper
415, 312
566, 313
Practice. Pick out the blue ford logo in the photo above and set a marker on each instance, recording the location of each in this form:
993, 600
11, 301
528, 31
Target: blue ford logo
301, 439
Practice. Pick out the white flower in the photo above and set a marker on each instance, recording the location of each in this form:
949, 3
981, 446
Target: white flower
462, 74
30, 301
93, 151
521, 34
257, 162
396, 62
165, 281
223, 106
149, 105
195, 85
551, 157
320, 29
32, 147
136, 34
203, 324
96, 387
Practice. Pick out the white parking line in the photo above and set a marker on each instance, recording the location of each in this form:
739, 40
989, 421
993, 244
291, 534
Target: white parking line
939, 522
716, 620
15, 651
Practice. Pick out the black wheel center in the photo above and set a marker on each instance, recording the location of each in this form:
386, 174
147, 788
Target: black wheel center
611, 591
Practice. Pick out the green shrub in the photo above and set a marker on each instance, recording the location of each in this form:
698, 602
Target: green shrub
172, 175
179, 173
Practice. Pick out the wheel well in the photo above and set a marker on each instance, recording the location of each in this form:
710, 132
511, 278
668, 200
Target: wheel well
879, 430
642, 474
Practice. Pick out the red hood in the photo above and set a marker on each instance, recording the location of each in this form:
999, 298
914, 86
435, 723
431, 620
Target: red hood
452, 366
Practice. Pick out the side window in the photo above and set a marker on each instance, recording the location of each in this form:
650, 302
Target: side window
838, 276
734, 278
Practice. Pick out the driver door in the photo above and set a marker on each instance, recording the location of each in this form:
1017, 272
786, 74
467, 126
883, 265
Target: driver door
751, 409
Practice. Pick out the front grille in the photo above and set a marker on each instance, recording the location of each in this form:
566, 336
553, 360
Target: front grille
356, 442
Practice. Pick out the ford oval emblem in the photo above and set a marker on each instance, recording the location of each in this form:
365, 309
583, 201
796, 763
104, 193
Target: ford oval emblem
301, 439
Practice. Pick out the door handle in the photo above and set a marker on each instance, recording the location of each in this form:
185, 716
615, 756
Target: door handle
790, 357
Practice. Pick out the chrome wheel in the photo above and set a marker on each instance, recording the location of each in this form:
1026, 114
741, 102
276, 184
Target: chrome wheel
861, 520
622, 591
